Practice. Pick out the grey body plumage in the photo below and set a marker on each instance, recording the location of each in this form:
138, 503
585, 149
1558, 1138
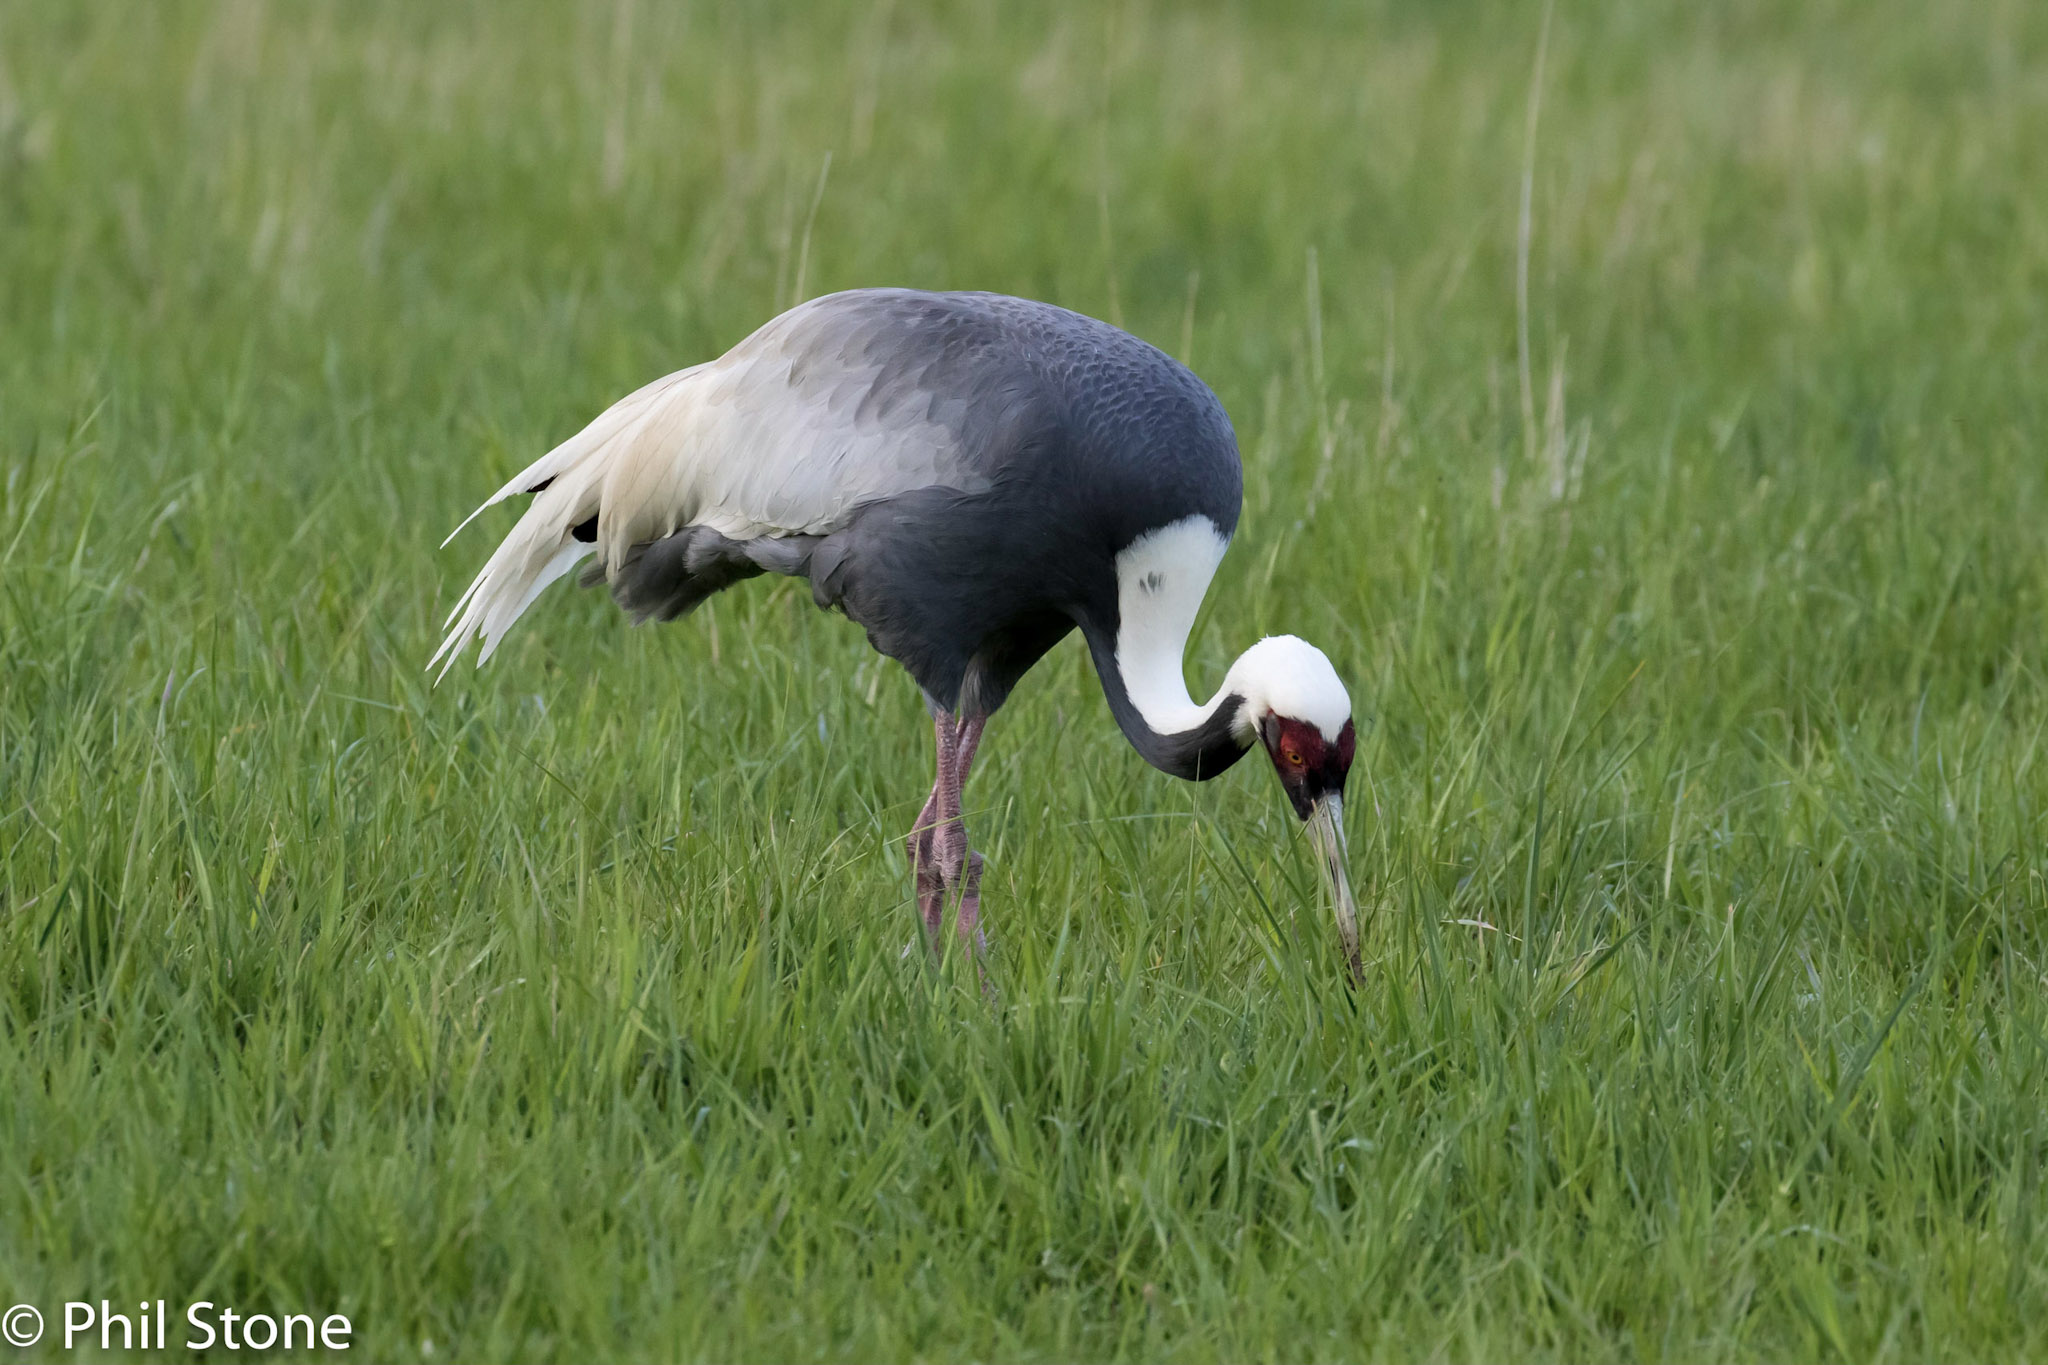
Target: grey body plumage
1070, 439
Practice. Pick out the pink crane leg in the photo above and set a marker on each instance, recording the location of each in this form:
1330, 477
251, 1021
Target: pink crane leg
941, 861
966, 868
925, 844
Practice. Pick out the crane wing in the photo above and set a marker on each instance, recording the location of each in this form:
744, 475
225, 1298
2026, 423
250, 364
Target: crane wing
837, 403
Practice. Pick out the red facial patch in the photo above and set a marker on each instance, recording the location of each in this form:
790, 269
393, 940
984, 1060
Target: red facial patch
1309, 765
1300, 747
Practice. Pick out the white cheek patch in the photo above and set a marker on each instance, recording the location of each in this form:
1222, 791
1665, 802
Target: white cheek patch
1161, 578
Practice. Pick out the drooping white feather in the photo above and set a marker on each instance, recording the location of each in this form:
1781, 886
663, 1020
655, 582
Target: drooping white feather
566, 455
786, 434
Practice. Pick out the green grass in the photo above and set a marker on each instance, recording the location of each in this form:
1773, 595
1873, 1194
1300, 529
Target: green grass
560, 1011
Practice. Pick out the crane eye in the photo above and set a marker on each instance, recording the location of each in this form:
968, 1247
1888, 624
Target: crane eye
1294, 757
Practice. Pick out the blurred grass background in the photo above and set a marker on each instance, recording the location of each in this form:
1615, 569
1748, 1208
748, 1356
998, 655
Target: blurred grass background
1681, 539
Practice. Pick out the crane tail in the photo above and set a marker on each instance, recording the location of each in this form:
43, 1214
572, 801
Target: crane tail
620, 418
566, 484
531, 558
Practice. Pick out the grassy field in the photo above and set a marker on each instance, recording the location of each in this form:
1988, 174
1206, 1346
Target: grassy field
1648, 421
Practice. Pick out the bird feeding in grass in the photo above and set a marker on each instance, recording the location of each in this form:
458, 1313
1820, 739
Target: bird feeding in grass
969, 477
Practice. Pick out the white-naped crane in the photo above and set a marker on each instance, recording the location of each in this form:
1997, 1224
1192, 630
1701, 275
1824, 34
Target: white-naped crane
968, 477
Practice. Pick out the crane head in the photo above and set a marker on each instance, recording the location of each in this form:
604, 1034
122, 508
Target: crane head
1312, 766
1298, 708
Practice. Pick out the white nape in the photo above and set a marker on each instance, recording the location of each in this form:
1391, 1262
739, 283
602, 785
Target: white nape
1161, 578
1284, 675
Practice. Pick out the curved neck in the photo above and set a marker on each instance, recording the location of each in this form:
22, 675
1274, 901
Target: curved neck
1161, 579
1170, 730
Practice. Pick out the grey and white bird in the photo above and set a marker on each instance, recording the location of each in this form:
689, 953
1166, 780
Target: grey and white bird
969, 477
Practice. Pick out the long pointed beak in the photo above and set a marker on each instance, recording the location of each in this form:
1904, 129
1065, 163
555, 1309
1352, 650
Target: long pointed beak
1326, 830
